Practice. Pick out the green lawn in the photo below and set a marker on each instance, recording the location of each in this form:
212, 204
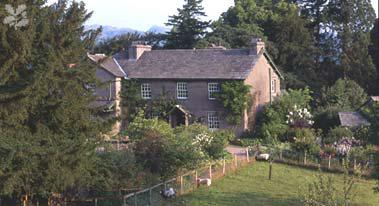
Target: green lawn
250, 186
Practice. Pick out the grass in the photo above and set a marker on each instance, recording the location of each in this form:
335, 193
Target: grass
250, 186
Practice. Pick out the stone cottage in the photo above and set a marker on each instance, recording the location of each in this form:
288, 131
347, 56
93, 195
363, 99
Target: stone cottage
193, 76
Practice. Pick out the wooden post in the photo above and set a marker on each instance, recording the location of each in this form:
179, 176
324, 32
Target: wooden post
150, 200
305, 157
195, 185
135, 199
329, 159
355, 164
95, 201
37, 202
210, 171
223, 166
124, 200
281, 154
247, 155
270, 171
235, 161
181, 185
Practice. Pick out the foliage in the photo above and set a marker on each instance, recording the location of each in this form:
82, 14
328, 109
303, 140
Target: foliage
345, 94
321, 192
324, 190
48, 131
304, 140
162, 105
374, 47
371, 112
336, 134
327, 118
140, 126
235, 97
119, 44
272, 122
131, 98
299, 117
187, 26
117, 170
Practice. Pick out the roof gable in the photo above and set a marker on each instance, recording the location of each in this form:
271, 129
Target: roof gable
352, 119
109, 64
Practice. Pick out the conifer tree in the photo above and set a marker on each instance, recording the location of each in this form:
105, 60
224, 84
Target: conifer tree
48, 130
187, 26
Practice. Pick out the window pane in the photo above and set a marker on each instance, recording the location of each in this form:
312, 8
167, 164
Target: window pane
213, 120
182, 91
145, 91
212, 89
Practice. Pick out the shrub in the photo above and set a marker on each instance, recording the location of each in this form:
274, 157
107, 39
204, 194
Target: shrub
337, 134
273, 124
140, 126
304, 140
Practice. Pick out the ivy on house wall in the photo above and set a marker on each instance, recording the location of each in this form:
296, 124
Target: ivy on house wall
235, 97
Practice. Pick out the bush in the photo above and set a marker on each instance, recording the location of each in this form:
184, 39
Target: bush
304, 140
337, 134
273, 124
117, 170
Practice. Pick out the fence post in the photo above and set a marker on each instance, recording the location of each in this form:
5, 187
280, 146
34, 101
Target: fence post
329, 159
223, 166
247, 155
95, 201
150, 193
181, 185
235, 161
135, 199
124, 200
195, 185
210, 171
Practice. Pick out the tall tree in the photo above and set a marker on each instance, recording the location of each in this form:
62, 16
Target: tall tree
187, 26
374, 50
48, 131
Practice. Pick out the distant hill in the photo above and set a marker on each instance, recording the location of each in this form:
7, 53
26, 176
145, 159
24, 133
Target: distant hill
110, 31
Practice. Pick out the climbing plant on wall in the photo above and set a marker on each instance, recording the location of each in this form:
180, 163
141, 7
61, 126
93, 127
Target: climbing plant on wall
235, 97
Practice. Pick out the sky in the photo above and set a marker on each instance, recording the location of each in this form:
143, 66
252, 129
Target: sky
142, 14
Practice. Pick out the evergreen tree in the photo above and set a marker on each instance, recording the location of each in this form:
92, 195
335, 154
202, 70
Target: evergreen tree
48, 131
187, 26
374, 50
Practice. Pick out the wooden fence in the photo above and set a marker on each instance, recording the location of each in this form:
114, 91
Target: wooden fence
182, 184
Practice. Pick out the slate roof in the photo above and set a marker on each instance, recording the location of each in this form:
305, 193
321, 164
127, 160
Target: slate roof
352, 119
110, 64
191, 64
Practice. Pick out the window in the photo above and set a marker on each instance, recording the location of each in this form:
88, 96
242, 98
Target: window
146, 91
273, 86
213, 121
212, 89
181, 90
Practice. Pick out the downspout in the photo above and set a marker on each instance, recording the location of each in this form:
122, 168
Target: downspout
270, 83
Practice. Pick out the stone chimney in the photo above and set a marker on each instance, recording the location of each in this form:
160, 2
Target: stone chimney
256, 46
137, 49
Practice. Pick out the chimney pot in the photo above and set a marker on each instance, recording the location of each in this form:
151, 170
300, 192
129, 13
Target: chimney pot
257, 45
137, 49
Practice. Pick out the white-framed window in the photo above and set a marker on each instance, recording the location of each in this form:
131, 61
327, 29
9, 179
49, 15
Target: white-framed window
273, 86
213, 121
182, 90
212, 89
146, 91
